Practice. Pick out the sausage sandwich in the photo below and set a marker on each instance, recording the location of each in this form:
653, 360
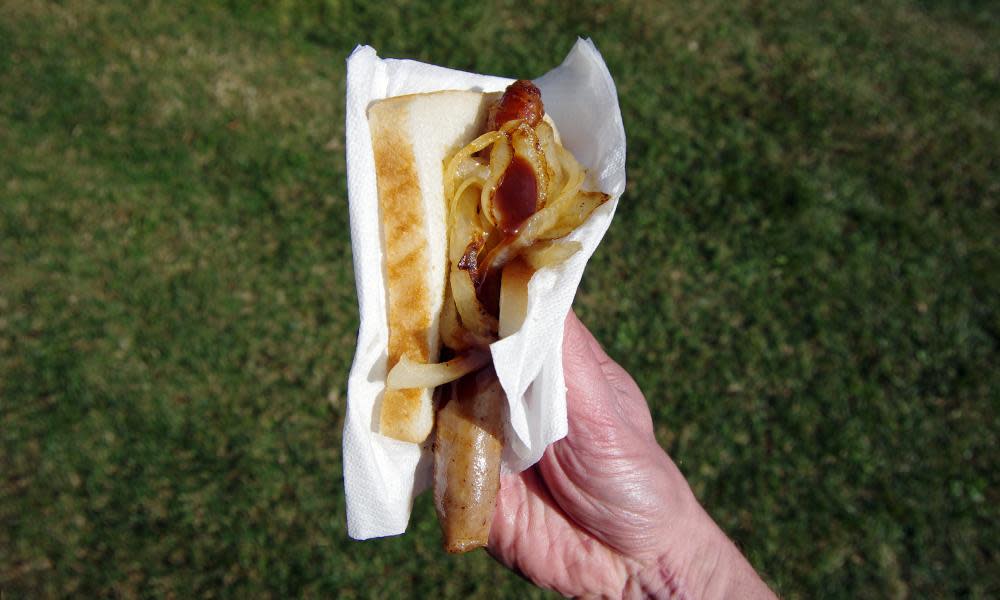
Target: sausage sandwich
476, 193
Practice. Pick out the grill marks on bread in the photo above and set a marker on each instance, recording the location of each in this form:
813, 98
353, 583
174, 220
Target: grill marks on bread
406, 263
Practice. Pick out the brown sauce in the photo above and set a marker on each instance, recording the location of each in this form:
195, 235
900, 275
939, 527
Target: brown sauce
517, 196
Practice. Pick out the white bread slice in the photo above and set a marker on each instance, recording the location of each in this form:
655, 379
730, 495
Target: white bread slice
412, 137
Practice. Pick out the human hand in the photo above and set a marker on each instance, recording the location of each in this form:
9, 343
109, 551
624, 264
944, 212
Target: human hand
606, 512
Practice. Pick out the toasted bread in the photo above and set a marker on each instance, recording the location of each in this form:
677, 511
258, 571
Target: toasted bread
412, 137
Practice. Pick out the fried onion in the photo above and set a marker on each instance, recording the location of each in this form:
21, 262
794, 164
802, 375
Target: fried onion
478, 248
409, 374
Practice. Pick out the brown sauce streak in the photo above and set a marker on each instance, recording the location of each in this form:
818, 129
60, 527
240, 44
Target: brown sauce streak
517, 196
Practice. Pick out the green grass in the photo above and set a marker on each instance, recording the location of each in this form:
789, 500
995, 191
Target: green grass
803, 277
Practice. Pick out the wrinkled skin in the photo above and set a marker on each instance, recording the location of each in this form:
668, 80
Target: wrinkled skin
606, 512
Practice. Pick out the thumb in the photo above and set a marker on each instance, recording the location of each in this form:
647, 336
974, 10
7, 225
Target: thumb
596, 384
592, 404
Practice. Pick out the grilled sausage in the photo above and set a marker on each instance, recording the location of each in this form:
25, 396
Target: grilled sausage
467, 453
521, 100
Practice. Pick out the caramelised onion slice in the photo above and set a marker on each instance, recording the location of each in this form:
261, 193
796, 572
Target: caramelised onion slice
514, 296
464, 223
409, 374
454, 171
571, 214
475, 317
549, 254
549, 144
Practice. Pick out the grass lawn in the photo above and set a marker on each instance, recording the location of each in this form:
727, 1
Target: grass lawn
803, 277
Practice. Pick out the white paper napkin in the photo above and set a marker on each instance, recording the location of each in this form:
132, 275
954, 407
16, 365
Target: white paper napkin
382, 475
